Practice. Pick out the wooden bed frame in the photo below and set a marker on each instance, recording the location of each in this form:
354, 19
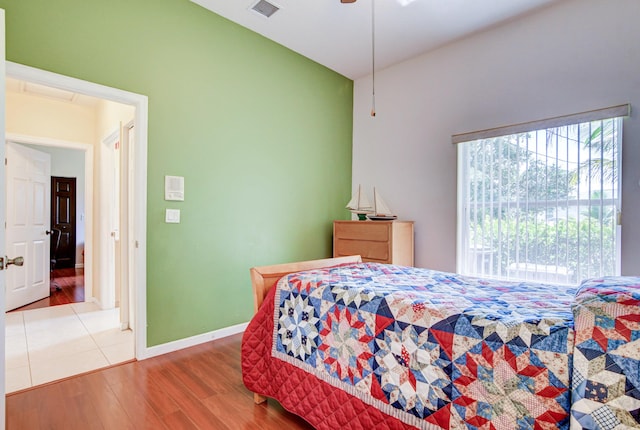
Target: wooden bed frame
265, 277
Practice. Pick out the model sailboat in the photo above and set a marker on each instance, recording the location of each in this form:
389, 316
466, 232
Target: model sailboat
359, 204
381, 210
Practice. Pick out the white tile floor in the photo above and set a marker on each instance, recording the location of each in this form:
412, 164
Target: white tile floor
43, 345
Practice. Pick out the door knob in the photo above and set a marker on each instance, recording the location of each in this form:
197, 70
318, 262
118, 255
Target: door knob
48, 232
18, 261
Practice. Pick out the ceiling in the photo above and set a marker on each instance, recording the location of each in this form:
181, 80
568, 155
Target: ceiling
338, 35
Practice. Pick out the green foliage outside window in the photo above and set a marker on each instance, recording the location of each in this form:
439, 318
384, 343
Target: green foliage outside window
545, 198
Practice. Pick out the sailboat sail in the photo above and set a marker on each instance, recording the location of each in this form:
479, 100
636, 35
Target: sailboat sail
359, 202
380, 207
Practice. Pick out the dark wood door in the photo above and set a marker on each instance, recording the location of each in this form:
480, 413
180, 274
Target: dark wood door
63, 217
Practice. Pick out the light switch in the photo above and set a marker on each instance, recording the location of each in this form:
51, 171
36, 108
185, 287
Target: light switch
172, 216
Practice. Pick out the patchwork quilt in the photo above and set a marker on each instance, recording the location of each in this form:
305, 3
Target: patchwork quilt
606, 360
380, 346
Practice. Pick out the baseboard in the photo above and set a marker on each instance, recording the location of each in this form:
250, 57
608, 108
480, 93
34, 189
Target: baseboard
179, 344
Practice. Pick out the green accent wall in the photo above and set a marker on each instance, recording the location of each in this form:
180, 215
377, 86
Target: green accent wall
261, 134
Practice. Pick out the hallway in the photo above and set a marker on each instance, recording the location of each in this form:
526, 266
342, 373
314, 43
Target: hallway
51, 343
71, 290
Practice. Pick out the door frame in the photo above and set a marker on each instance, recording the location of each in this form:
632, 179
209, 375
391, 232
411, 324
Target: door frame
138, 242
2, 221
88, 192
127, 259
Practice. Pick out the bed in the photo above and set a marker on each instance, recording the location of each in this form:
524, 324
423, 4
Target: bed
353, 345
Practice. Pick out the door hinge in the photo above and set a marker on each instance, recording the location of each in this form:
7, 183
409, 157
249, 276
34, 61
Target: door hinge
619, 218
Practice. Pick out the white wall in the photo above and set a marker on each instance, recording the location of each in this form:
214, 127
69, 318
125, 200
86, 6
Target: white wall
575, 56
43, 117
110, 115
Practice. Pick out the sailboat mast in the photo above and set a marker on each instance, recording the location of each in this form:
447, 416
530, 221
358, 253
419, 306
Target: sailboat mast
375, 202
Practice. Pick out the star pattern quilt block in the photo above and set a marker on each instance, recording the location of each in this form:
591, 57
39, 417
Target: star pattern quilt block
432, 348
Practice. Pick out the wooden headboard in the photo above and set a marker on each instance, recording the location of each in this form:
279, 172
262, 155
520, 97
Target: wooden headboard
265, 277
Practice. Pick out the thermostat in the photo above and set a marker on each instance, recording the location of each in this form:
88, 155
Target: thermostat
174, 188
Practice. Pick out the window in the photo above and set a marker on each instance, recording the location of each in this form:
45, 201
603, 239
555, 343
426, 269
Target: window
541, 201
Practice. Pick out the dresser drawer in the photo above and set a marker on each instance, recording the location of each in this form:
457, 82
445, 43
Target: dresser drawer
363, 230
376, 241
368, 250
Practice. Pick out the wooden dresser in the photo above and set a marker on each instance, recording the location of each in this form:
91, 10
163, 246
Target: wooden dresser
378, 241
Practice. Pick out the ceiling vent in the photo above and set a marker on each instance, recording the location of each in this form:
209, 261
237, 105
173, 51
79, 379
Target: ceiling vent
265, 8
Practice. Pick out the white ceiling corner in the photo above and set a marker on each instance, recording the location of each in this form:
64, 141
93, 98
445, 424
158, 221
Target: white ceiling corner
338, 35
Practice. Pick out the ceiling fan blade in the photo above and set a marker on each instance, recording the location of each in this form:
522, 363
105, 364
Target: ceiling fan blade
347, 1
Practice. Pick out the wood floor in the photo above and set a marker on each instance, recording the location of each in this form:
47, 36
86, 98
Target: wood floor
195, 388
71, 283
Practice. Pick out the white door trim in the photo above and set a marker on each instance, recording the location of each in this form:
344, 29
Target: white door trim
2, 216
88, 192
139, 242
127, 260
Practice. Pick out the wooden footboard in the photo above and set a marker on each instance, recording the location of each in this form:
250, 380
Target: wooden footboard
265, 277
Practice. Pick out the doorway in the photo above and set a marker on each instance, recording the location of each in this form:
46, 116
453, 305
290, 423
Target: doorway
62, 250
66, 284
136, 244
52, 342
68, 159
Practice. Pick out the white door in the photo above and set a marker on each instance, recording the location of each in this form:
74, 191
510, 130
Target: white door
2, 277
28, 188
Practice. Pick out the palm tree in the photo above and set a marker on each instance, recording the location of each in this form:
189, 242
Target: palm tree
602, 146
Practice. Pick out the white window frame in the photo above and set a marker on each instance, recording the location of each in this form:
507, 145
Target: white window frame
595, 115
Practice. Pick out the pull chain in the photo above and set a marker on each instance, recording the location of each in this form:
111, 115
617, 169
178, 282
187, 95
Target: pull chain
373, 58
